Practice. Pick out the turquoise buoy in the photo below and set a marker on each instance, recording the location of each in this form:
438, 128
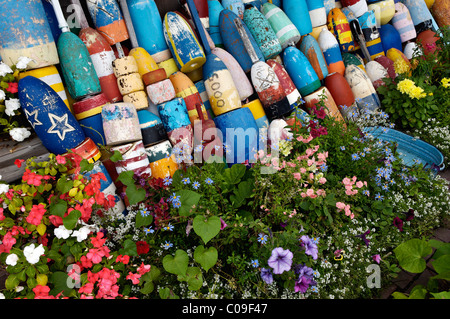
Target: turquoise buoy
317, 12
287, 33
421, 16
233, 42
49, 116
237, 6
390, 38
214, 9
297, 11
300, 71
262, 32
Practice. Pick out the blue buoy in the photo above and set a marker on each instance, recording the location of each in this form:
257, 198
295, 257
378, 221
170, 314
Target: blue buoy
390, 38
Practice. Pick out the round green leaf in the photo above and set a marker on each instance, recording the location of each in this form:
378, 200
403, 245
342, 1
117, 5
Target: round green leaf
411, 253
206, 228
207, 258
177, 264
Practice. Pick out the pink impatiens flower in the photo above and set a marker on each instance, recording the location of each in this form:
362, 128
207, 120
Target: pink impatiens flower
133, 277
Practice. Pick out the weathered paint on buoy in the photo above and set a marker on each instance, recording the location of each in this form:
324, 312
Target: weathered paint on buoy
441, 12
402, 21
421, 16
87, 150
317, 12
145, 61
350, 58
329, 4
183, 43
152, 128
240, 135
162, 161
390, 38
204, 96
108, 20
214, 9
88, 112
388, 64
48, 115
287, 33
186, 89
50, 75
148, 27
331, 109
244, 87
368, 25
120, 123
314, 54
134, 158
237, 6
301, 71
375, 48
262, 32
52, 20
387, 10
169, 65
340, 90
365, 94
161, 92
102, 56
297, 11
359, 7
376, 73
222, 92
330, 49
25, 31
233, 43
338, 25
348, 14
154, 76
259, 115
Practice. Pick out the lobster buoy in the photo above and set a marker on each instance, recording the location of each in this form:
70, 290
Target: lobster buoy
297, 11
403, 22
311, 49
330, 49
134, 158
120, 123
362, 88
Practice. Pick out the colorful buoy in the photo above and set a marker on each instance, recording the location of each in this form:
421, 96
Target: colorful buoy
403, 23
341, 92
120, 123
376, 73
365, 94
311, 49
297, 11
259, 115
330, 49
317, 12
237, 6
134, 158
340, 28
390, 38
421, 16
214, 9
162, 161
359, 7
152, 128
387, 10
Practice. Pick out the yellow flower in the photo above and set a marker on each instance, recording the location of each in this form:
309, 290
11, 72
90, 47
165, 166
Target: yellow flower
405, 86
417, 93
401, 66
445, 82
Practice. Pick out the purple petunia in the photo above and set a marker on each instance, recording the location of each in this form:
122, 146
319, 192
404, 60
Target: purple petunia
305, 278
280, 260
363, 237
310, 246
398, 223
266, 275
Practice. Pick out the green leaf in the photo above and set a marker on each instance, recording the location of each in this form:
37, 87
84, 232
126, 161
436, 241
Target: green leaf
60, 280
418, 292
143, 220
135, 195
166, 293
126, 178
177, 264
234, 174
63, 185
58, 208
129, 248
188, 199
399, 295
117, 156
207, 258
441, 295
85, 166
194, 278
442, 264
206, 228
148, 288
241, 193
71, 220
11, 282
411, 253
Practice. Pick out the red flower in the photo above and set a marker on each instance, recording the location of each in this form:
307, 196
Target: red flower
398, 223
18, 162
36, 214
12, 87
142, 247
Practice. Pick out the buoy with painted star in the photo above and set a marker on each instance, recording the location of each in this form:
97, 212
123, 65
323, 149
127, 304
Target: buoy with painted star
340, 27
365, 94
311, 49
390, 38
214, 9
233, 43
330, 49
237, 6
50, 118
287, 33
262, 32
25, 31
297, 11
265, 81
301, 71
76, 64
108, 20
183, 43
317, 12
359, 7
403, 22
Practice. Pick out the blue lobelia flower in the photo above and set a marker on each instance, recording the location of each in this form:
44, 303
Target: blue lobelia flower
195, 185
355, 157
209, 181
262, 238
254, 263
378, 196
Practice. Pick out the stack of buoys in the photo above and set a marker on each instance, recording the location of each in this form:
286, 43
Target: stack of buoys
230, 65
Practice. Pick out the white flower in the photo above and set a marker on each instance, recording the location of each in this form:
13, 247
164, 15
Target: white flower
2, 95
4, 69
12, 259
32, 254
19, 133
2, 296
82, 233
62, 232
11, 106
4, 188
23, 62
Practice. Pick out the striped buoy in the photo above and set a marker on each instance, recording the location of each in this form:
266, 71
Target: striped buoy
362, 88
152, 128
56, 127
350, 58
134, 158
297, 11
259, 115
245, 88
145, 62
162, 161
183, 43
87, 150
375, 48
402, 21
317, 12
359, 7
287, 33
262, 32
88, 112
145, 16
340, 28
301, 71
421, 16
50, 75
314, 54
330, 49
120, 123
25, 31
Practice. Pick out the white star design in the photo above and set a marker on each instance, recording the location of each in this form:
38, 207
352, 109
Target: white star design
32, 118
60, 125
